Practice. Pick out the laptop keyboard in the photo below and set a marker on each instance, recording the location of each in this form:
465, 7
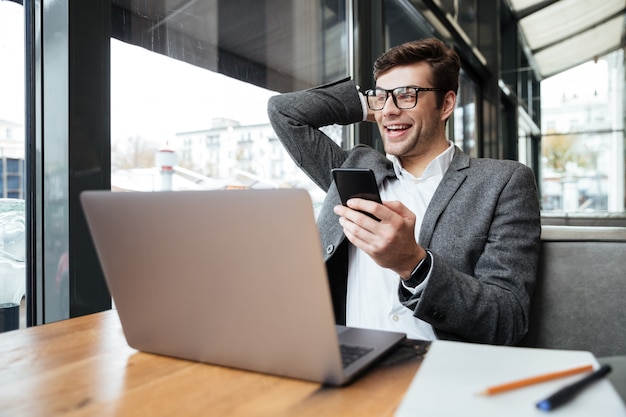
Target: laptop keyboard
351, 353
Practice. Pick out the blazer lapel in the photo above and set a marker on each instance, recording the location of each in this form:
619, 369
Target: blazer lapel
452, 180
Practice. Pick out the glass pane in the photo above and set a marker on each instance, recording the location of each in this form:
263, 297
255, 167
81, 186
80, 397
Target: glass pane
403, 24
13, 182
577, 172
12, 226
464, 12
189, 99
582, 148
14, 165
465, 116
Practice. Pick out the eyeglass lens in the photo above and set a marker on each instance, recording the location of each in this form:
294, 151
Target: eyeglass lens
403, 97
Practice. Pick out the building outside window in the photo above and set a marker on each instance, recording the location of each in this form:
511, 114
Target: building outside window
12, 184
11, 100
583, 139
213, 115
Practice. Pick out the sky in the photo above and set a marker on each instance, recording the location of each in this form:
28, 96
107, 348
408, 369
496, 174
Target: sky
153, 95
583, 81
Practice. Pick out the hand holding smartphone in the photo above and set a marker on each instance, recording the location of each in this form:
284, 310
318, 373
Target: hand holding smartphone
356, 183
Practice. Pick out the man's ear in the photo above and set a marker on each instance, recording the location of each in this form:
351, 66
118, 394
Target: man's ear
449, 103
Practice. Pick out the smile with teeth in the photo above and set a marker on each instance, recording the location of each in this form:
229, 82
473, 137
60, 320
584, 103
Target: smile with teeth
397, 128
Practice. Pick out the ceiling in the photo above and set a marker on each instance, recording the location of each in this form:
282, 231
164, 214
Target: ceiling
562, 34
559, 34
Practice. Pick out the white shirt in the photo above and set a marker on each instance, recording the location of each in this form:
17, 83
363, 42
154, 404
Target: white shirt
372, 299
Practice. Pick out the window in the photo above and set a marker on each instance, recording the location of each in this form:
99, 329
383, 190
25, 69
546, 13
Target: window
465, 116
12, 225
583, 139
199, 86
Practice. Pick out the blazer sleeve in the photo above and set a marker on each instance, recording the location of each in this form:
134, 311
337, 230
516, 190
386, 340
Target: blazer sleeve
485, 245
296, 118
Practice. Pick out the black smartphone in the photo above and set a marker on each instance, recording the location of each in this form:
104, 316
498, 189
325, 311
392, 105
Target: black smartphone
356, 183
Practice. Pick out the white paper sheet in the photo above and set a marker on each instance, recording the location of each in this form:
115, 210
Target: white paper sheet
453, 373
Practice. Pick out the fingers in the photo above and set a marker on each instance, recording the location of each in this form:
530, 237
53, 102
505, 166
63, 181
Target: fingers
354, 221
391, 242
357, 235
358, 226
399, 208
361, 211
390, 212
371, 208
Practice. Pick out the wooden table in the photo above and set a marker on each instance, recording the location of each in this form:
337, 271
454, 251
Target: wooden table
83, 367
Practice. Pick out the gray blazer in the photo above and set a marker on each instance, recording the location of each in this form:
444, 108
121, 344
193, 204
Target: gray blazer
482, 225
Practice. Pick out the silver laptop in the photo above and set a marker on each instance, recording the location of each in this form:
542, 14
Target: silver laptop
230, 277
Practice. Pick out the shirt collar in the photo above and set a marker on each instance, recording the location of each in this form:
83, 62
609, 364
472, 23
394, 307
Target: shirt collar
437, 166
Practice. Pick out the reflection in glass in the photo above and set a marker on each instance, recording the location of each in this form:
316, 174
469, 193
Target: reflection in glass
192, 114
582, 148
194, 130
12, 193
465, 116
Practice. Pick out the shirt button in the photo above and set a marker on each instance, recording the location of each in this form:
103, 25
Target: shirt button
330, 249
395, 317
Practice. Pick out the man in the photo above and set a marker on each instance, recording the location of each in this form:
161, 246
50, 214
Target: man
456, 251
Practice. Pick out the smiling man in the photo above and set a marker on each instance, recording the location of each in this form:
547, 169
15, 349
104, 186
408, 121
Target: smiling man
455, 253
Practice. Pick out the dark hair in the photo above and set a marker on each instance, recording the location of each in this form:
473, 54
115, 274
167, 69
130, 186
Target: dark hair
443, 61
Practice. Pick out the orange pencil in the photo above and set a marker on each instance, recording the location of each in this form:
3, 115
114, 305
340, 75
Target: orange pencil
535, 380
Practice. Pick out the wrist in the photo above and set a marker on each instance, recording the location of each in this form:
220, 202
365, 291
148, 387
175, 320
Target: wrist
420, 272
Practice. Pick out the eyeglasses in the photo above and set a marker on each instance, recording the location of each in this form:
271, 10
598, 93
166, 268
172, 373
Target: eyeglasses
403, 97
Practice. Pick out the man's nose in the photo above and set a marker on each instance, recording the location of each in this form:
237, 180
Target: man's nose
390, 105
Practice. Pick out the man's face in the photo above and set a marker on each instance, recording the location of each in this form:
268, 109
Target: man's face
410, 132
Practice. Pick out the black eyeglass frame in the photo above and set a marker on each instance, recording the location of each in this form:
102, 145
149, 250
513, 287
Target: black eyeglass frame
369, 93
